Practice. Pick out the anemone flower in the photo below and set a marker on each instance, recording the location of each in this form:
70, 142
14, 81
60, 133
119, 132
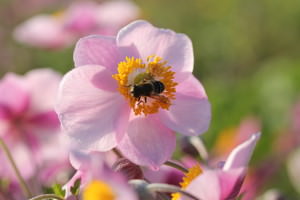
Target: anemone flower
223, 183
61, 29
133, 92
28, 124
98, 181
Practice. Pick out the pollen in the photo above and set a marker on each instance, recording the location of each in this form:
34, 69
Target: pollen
134, 72
98, 190
192, 173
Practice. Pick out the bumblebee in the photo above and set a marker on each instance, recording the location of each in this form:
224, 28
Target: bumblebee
148, 88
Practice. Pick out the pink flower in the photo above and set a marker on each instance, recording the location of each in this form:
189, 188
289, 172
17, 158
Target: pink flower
224, 183
97, 105
165, 174
63, 28
28, 123
93, 171
231, 137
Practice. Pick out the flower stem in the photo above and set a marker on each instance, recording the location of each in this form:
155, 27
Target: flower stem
200, 147
176, 166
117, 152
21, 180
47, 196
161, 187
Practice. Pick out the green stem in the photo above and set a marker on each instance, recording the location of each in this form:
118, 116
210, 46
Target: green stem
161, 187
21, 180
176, 166
47, 196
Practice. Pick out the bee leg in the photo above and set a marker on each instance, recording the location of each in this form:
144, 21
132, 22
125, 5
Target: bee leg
145, 99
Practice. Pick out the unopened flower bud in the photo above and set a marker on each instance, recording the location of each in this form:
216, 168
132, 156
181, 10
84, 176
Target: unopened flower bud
128, 169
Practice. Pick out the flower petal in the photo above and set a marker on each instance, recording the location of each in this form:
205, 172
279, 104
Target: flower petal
148, 40
36, 81
89, 114
97, 50
148, 142
191, 86
107, 13
205, 186
231, 182
42, 31
14, 96
241, 155
190, 112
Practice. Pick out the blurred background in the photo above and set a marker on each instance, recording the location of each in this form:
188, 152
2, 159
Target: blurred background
247, 55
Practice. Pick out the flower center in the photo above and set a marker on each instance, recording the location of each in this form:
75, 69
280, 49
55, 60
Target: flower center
98, 190
187, 179
147, 86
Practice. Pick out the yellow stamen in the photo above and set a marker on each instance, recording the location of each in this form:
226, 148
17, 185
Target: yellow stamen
98, 190
133, 72
187, 179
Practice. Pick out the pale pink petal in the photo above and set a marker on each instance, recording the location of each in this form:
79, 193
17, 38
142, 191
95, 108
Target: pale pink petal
172, 47
190, 112
43, 86
81, 18
147, 142
231, 182
240, 156
206, 186
191, 86
89, 114
14, 97
165, 174
97, 50
42, 31
107, 13
79, 159
83, 161
121, 188
188, 115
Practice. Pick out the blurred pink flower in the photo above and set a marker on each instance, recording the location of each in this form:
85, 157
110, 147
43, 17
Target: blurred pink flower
93, 168
28, 124
231, 137
224, 183
99, 112
82, 18
165, 174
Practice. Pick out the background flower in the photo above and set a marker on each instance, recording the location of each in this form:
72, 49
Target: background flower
224, 183
93, 171
30, 127
63, 28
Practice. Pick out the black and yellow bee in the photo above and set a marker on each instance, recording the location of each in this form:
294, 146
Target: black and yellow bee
148, 88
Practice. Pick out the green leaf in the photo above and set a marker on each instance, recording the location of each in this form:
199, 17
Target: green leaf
57, 189
75, 187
